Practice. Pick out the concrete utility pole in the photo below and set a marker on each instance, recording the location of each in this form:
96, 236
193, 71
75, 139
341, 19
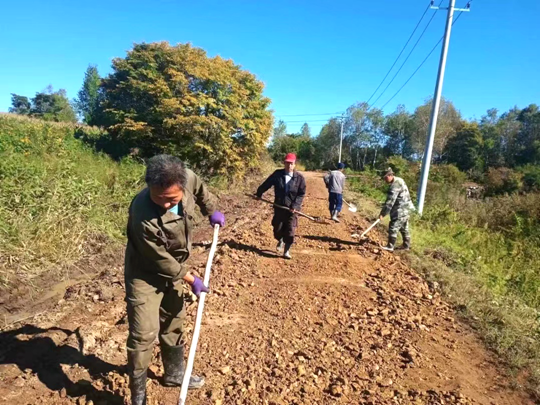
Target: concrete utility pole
436, 103
341, 140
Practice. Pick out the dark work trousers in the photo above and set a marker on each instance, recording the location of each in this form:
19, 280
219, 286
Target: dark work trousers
336, 202
284, 223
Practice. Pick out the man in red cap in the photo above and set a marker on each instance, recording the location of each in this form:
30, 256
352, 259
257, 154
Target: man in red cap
289, 191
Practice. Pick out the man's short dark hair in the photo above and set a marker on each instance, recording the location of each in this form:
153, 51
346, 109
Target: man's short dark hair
164, 171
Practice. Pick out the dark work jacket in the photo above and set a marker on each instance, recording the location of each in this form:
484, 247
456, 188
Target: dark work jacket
293, 196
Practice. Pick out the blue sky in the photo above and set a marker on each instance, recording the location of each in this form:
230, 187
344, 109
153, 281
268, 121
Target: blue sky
314, 56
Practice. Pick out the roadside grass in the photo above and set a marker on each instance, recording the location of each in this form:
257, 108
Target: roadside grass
57, 196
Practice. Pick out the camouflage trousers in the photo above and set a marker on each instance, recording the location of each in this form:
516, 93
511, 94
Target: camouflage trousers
401, 225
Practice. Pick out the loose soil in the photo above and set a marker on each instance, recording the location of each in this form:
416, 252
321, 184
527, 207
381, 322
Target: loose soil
342, 322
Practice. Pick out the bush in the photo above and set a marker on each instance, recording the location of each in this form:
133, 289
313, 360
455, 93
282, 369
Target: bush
531, 177
399, 165
502, 181
447, 174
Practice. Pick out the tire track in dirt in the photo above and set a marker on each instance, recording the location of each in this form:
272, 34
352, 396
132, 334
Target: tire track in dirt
340, 323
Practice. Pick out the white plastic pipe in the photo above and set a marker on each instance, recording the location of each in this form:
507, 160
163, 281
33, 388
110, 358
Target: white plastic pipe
370, 228
198, 319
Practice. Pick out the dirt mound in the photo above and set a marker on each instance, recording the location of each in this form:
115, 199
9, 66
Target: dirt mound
342, 322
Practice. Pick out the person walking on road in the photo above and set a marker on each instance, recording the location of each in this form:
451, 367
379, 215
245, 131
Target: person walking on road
399, 205
159, 242
335, 183
289, 190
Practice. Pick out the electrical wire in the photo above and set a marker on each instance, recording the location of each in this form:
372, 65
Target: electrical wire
421, 64
400, 53
407, 58
310, 115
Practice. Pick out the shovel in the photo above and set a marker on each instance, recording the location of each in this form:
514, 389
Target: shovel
352, 207
197, 329
370, 228
314, 219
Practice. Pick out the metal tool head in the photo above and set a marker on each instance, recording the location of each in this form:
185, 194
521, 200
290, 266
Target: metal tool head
353, 208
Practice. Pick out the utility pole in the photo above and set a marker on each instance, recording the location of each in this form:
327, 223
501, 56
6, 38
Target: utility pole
426, 161
340, 139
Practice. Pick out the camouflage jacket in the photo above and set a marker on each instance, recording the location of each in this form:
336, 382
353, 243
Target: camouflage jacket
398, 201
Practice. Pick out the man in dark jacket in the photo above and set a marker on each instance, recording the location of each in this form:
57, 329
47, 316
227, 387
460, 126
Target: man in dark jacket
289, 189
159, 242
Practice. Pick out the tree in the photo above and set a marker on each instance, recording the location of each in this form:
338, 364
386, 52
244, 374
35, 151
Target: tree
48, 105
363, 133
280, 129
175, 99
20, 105
465, 149
52, 105
448, 122
88, 99
305, 131
398, 128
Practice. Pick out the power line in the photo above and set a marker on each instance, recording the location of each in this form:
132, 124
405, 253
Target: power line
310, 115
402, 49
306, 122
407, 58
421, 64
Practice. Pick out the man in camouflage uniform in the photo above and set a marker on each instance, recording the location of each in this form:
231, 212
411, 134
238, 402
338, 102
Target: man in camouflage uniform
399, 205
159, 242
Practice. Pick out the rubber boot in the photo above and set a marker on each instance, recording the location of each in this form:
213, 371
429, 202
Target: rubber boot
390, 246
406, 244
137, 386
280, 245
334, 216
173, 363
287, 253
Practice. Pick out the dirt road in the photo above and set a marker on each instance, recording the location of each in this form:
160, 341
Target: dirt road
341, 323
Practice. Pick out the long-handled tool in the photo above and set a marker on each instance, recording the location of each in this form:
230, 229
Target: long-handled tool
196, 330
352, 207
314, 219
370, 228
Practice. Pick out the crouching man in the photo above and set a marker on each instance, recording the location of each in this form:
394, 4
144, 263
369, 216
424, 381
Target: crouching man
159, 242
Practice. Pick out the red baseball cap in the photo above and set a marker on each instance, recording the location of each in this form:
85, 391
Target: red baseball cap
291, 157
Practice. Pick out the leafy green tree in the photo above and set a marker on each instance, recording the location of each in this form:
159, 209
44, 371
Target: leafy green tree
51, 105
328, 143
363, 133
465, 149
448, 122
20, 105
175, 99
398, 128
280, 129
528, 137
88, 98
305, 131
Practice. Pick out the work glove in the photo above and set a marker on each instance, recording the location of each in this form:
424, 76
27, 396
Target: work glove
217, 218
198, 286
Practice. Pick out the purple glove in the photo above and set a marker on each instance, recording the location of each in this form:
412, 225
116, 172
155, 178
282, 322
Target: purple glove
217, 218
198, 286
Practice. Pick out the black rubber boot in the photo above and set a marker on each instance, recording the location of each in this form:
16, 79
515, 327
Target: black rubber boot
173, 363
406, 244
137, 386
390, 246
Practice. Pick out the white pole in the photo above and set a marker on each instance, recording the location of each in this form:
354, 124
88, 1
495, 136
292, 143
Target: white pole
340, 140
198, 319
435, 110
